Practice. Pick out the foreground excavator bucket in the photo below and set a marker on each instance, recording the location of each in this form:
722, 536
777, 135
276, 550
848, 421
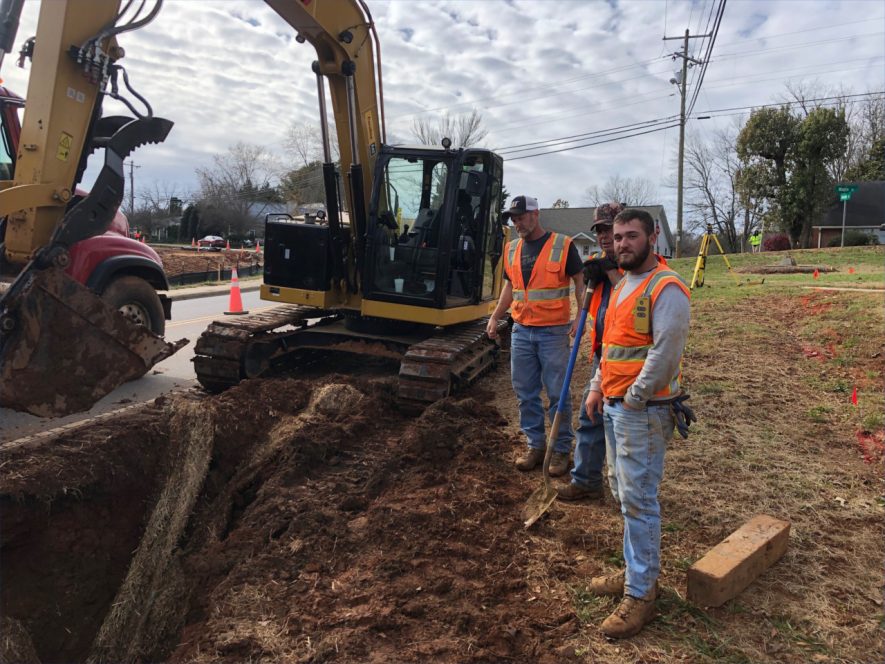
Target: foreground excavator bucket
62, 348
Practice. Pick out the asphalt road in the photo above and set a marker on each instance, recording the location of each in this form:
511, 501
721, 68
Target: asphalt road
189, 319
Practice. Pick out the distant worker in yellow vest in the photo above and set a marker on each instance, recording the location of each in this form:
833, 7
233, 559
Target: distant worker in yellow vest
756, 241
639, 379
539, 268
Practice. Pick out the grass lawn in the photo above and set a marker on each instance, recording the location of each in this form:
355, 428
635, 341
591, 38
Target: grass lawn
771, 369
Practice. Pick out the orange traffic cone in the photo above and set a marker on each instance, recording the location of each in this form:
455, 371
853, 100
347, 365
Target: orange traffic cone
816, 273
236, 300
257, 247
142, 239
193, 243
227, 246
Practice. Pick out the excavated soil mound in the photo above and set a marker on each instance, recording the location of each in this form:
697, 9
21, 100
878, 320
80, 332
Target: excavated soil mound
284, 520
355, 533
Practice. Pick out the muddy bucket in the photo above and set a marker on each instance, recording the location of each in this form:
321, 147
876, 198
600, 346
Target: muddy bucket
62, 348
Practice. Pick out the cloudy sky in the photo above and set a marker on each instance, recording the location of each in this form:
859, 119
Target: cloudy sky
540, 71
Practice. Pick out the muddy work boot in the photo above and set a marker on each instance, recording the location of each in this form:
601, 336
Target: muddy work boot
573, 491
611, 585
533, 458
630, 617
559, 464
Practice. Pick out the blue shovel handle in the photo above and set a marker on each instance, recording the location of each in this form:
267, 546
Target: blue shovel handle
582, 320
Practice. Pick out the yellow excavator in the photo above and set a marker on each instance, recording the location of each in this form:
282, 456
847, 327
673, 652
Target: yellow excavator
406, 265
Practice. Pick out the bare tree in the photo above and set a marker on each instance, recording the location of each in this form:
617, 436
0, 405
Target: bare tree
465, 130
228, 189
718, 191
630, 191
304, 145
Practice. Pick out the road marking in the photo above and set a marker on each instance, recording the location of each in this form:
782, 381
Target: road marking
179, 323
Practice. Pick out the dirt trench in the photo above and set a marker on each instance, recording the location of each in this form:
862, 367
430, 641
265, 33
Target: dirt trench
284, 520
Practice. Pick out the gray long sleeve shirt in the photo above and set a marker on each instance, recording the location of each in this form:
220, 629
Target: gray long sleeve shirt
669, 322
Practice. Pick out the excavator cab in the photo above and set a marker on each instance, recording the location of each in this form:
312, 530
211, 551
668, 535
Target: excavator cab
434, 232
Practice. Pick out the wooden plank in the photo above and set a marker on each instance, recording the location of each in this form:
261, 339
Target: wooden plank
737, 561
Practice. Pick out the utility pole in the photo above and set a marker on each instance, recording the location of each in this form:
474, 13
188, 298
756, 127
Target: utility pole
132, 166
683, 83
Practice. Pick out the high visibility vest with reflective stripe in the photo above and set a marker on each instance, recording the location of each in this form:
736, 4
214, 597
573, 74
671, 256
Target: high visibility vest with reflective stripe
545, 300
596, 302
623, 348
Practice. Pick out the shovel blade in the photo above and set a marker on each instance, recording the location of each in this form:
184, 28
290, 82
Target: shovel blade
538, 503
68, 349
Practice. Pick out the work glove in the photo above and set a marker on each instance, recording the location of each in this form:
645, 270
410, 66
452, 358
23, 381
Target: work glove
683, 413
596, 270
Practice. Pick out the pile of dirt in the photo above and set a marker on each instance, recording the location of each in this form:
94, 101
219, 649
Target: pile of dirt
184, 261
320, 524
358, 533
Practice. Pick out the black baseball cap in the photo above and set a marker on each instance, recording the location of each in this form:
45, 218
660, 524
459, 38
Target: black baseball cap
521, 205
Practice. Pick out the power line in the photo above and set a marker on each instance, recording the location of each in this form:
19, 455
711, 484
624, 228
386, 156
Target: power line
829, 26
584, 145
706, 59
743, 80
836, 98
565, 139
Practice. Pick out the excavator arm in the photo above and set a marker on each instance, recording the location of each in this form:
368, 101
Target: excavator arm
61, 347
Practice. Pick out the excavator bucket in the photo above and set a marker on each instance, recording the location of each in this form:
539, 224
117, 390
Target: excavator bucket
62, 348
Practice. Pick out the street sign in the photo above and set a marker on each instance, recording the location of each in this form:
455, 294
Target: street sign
846, 188
845, 196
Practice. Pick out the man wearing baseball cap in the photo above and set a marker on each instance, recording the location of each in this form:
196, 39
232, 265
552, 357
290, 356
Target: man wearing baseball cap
601, 273
539, 268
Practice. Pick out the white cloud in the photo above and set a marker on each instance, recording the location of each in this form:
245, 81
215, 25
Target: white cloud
228, 70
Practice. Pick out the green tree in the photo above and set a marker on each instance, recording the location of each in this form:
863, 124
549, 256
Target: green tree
871, 167
788, 156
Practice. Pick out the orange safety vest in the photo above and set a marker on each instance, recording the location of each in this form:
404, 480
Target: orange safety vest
593, 312
546, 300
624, 349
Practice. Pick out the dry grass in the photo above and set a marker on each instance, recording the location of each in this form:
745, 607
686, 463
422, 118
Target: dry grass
777, 435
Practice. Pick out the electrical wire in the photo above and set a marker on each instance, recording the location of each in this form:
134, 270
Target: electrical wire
584, 145
706, 59
627, 127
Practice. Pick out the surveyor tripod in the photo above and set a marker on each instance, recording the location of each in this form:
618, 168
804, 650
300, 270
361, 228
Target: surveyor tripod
697, 279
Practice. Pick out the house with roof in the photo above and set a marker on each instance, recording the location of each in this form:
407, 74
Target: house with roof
575, 222
864, 212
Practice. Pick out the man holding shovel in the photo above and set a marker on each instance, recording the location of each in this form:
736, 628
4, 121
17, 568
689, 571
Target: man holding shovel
636, 388
539, 267
601, 273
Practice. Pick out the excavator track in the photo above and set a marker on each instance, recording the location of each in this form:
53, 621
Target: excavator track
230, 350
449, 360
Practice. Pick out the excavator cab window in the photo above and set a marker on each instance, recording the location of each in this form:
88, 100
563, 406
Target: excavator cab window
408, 230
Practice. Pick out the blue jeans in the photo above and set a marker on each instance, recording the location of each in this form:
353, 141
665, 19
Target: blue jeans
538, 357
590, 445
636, 441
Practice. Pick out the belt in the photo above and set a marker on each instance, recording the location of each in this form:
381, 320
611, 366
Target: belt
656, 402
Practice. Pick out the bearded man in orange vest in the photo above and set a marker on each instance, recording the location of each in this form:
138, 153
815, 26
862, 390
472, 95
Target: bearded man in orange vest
539, 268
646, 327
